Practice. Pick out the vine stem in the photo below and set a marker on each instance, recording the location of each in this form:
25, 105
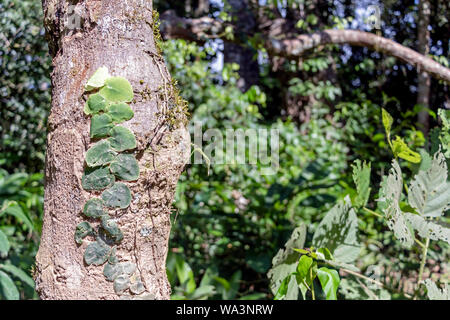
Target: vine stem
359, 275
312, 285
373, 212
424, 259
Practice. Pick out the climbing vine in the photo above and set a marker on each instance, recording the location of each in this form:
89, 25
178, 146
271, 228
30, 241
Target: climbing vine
110, 165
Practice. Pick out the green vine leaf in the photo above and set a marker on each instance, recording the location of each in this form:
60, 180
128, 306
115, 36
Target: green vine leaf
429, 192
112, 229
97, 253
401, 150
98, 79
95, 104
361, 177
121, 284
117, 89
83, 230
112, 271
120, 112
137, 288
122, 139
100, 154
118, 196
125, 167
338, 232
101, 125
97, 178
94, 208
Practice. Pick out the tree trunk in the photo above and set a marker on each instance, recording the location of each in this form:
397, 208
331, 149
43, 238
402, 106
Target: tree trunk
121, 36
244, 23
423, 78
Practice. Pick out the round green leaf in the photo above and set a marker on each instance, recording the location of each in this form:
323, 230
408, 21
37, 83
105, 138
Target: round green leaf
120, 112
94, 208
83, 230
112, 229
101, 125
95, 104
100, 154
97, 253
98, 79
125, 167
112, 271
122, 139
117, 89
8, 288
121, 284
118, 196
97, 178
137, 288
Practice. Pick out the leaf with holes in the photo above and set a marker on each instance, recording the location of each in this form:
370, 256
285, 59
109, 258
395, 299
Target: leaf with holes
285, 263
97, 253
117, 89
122, 139
429, 192
95, 104
338, 232
434, 293
428, 229
120, 112
118, 196
94, 208
101, 125
125, 167
100, 154
83, 230
112, 229
390, 194
98, 79
97, 178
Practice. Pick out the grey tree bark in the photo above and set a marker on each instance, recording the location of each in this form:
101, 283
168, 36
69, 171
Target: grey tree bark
121, 36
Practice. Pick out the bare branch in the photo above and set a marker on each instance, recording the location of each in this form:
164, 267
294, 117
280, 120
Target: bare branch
202, 29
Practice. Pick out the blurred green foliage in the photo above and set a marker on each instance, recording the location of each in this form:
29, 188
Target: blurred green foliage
230, 223
24, 86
